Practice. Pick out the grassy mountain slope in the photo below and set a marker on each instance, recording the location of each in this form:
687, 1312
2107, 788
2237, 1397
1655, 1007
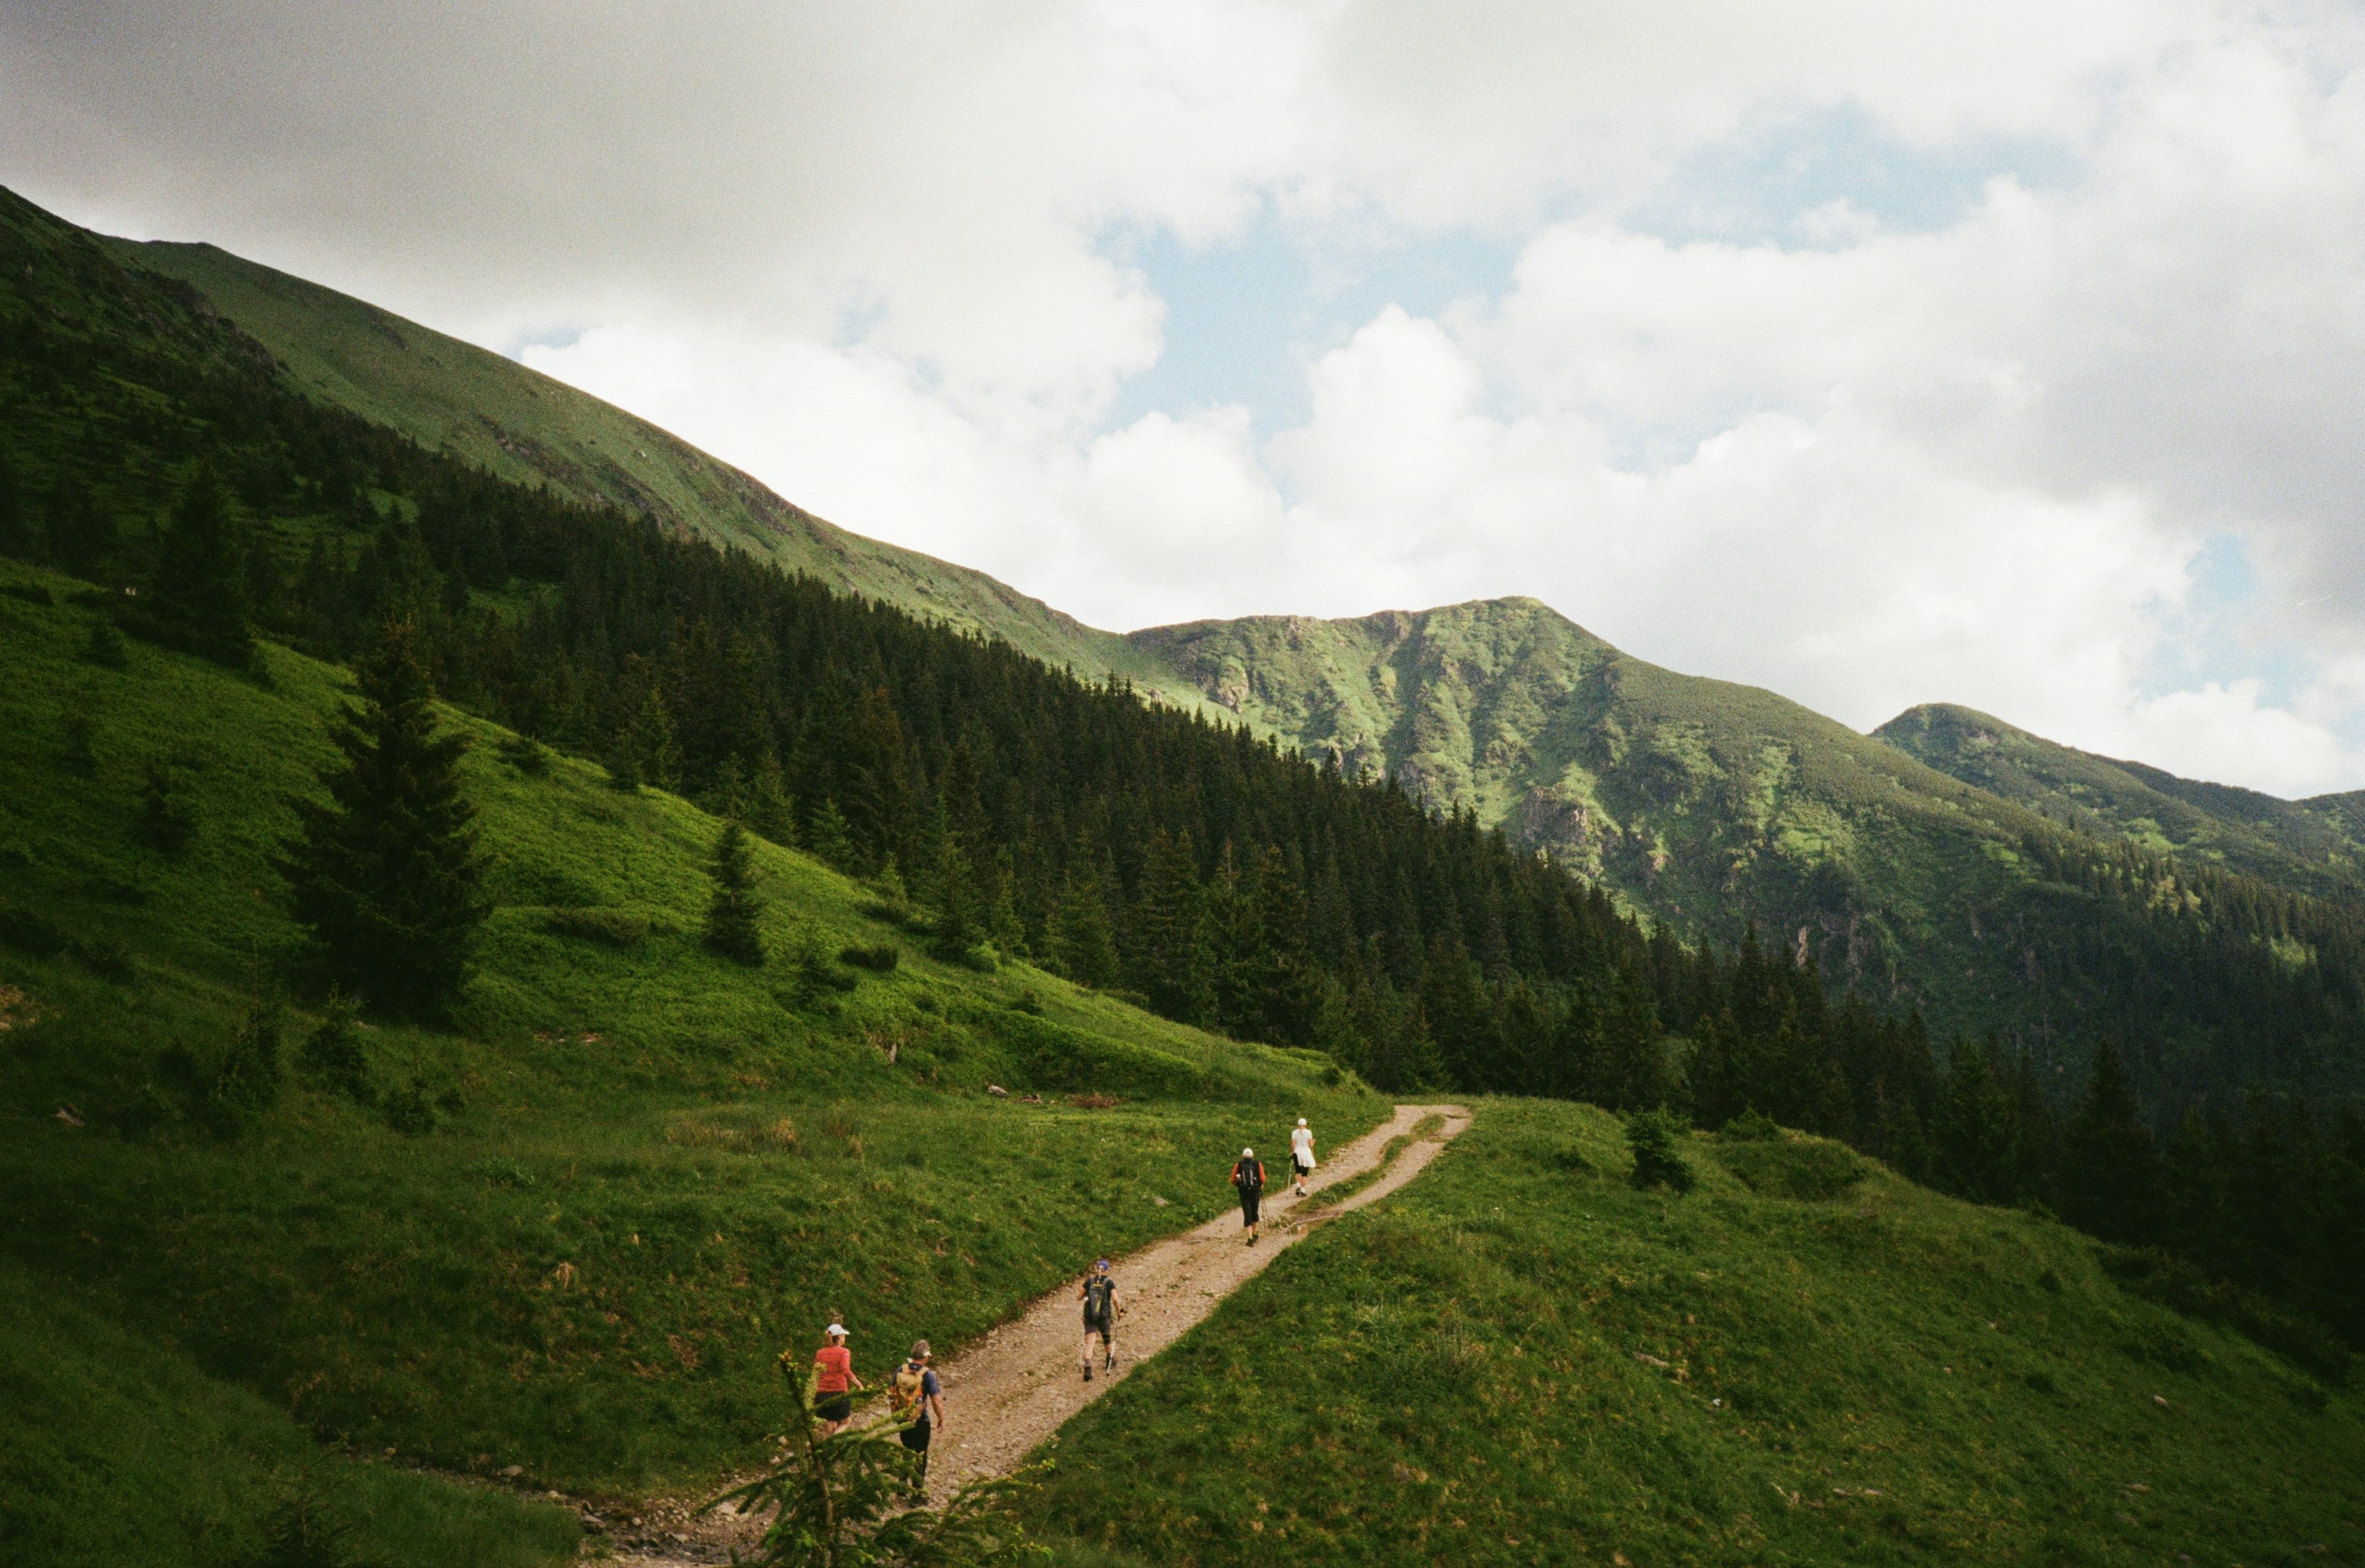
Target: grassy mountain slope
1522, 1359
652, 1169
1700, 802
2310, 846
523, 426
95, 1463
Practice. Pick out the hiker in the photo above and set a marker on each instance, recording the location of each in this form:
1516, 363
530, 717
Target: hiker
833, 1393
1301, 1154
1099, 1296
915, 1397
1248, 1175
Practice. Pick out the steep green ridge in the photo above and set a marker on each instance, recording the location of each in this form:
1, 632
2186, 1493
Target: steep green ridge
2311, 845
1522, 1359
523, 426
1700, 802
651, 1169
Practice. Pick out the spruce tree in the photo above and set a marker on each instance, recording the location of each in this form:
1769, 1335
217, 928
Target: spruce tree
17, 537
2110, 1166
1169, 958
654, 750
197, 596
733, 908
387, 871
829, 840
1081, 939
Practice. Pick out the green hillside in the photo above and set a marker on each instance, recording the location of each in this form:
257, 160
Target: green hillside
1702, 802
1522, 1359
523, 426
2312, 846
572, 1232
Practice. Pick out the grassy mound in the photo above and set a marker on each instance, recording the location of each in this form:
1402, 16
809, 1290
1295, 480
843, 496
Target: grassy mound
95, 1463
1521, 1359
572, 1232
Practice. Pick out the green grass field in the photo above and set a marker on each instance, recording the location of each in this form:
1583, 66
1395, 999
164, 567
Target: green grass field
652, 1169
1522, 1359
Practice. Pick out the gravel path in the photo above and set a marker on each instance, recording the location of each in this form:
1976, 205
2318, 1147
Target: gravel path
1020, 1384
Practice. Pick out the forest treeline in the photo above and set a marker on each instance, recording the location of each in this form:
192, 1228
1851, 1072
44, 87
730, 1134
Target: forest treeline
1029, 812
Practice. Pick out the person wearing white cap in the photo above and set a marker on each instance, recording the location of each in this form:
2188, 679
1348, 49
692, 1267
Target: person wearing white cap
1247, 1178
833, 1389
1301, 1155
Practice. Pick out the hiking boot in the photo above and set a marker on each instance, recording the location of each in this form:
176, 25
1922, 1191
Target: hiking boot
1088, 1372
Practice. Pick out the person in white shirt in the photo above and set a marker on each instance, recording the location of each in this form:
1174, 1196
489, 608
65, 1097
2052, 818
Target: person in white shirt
1301, 1155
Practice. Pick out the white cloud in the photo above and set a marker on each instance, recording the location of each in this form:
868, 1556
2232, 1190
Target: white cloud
861, 253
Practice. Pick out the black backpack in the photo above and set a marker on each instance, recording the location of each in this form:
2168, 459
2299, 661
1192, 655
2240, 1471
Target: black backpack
1097, 1290
1248, 1175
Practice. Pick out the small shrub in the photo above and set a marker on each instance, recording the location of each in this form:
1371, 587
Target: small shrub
411, 1110
2041, 1381
1807, 1170
105, 958
106, 648
506, 1173
1655, 1136
248, 1079
1029, 1003
883, 957
31, 932
527, 755
1751, 1126
333, 1057
81, 751
167, 819
609, 927
1571, 1160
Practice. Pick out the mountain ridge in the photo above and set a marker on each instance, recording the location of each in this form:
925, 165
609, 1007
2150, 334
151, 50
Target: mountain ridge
517, 423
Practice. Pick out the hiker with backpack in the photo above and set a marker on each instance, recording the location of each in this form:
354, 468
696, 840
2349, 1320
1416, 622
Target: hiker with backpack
833, 1389
1248, 1177
1301, 1155
1099, 1296
915, 1398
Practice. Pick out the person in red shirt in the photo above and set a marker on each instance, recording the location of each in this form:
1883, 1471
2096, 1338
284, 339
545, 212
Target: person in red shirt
833, 1390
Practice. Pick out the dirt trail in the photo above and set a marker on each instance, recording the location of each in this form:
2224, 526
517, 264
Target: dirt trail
1020, 1384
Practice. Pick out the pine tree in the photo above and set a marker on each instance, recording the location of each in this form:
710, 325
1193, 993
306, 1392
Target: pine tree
1081, 938
733, 908
385, 872
2110, 1166
652, 747
197, 596
828, 840
770, 812
1169, 959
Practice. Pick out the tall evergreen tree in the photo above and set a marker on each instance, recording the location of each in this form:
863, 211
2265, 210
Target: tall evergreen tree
385, 872
2110, 1166
1081, 939
1169, 959
196, 595
733, 908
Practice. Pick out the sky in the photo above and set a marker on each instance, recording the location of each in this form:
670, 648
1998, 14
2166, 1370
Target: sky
1877, 353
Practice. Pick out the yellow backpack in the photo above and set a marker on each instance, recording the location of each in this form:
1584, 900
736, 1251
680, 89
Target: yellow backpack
903, 1392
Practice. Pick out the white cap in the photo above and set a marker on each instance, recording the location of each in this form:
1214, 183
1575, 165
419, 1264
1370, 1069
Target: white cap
1247, 1154
1301, 1121
836, 1328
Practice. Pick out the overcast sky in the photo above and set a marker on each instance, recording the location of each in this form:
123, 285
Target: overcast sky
2005, 353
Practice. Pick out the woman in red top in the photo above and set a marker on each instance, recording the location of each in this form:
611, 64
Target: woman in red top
832, 1396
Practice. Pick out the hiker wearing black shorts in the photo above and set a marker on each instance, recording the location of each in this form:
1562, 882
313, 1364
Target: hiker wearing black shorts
914, 1396
1099, 1296
1248, 1177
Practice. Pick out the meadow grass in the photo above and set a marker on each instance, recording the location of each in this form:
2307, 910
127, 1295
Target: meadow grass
1520, 1359
651, 1170
95, 1463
